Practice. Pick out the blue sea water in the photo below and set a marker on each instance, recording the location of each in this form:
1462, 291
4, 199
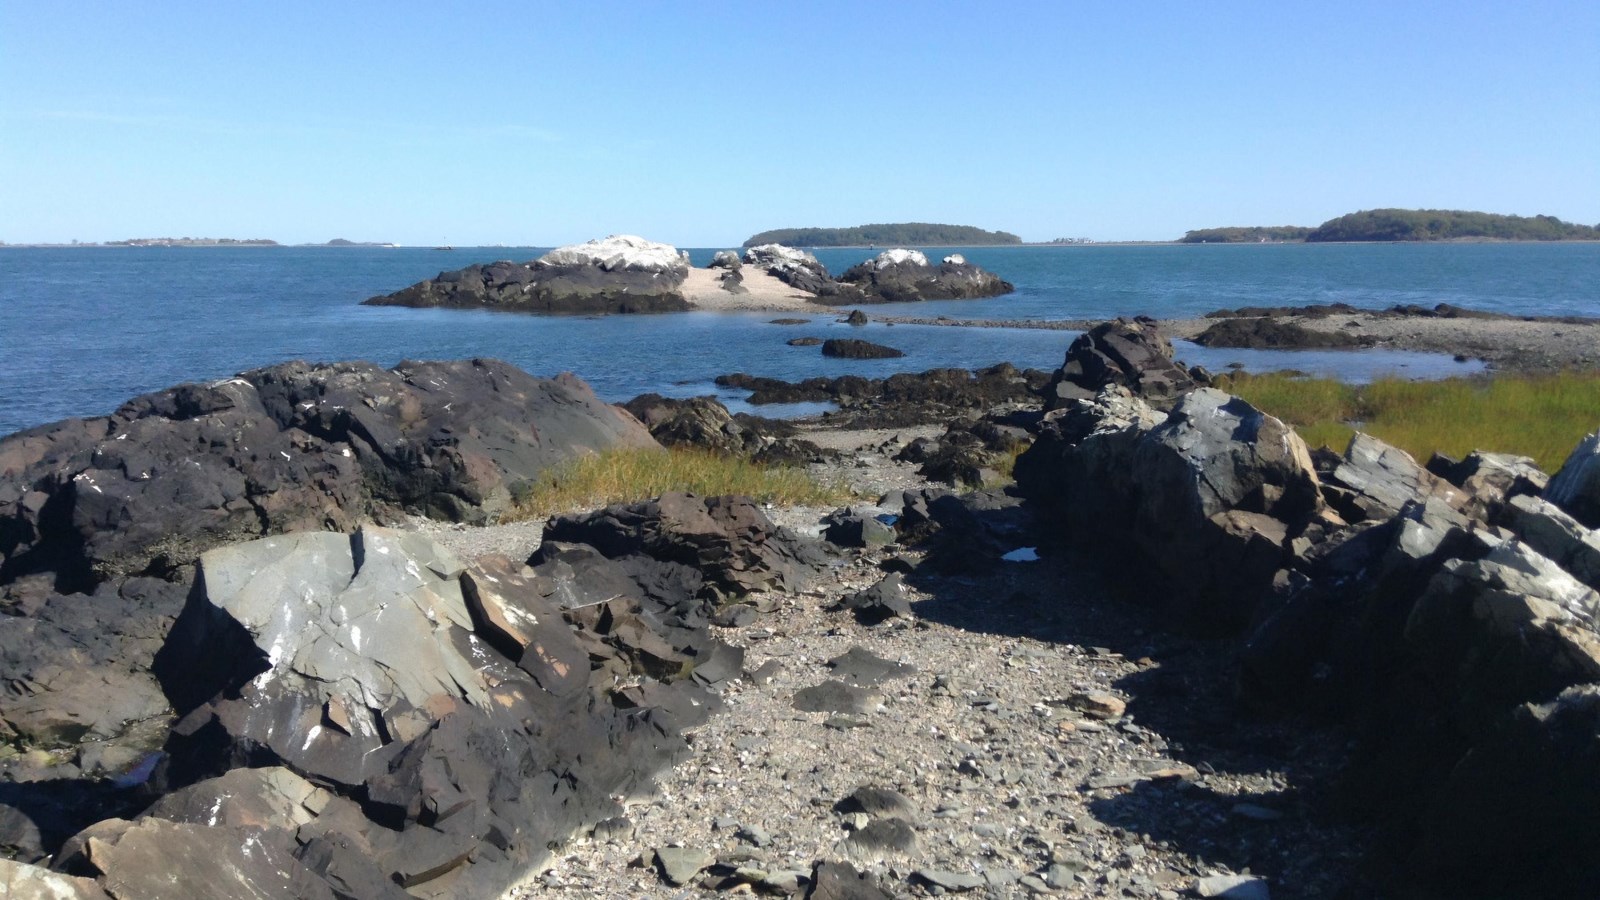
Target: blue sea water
84, 329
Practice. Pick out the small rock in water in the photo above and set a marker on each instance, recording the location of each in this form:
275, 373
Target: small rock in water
1022, 554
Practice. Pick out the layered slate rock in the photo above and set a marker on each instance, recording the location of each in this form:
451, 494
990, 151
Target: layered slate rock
619, 274
383, 716
1129, 353
727, 540
704, 423
901, 275
288, 448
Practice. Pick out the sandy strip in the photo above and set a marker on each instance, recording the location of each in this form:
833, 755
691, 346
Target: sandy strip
764, 293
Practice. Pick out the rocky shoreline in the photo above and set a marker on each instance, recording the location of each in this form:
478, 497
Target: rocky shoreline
1181, 655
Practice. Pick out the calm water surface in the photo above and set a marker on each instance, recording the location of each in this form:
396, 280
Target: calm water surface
82, 330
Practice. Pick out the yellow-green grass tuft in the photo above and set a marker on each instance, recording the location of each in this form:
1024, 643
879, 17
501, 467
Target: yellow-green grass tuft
1541, 416
630, 475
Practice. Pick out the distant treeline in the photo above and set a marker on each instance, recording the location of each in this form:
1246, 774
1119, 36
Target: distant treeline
1251, 234
1407, 225
901, 234
1447, 224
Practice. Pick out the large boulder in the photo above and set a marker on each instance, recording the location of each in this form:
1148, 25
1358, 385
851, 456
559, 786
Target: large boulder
1576, 488
292, 447
1207, 497
905, 275
1130, 353
619, 274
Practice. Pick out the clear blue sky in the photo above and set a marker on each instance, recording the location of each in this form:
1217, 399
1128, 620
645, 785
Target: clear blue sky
701, 123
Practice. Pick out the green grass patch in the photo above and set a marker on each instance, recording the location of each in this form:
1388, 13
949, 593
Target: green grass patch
1542, 416
628, 476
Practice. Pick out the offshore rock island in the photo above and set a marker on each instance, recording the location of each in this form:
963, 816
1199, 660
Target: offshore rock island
627, 274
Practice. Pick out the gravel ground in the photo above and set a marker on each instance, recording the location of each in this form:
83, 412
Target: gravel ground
1041, 739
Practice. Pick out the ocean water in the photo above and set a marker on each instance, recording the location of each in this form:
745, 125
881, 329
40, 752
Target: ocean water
84, 329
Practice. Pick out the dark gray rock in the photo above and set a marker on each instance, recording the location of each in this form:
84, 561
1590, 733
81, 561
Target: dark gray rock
841, 881
881, 839
76, 668
863, 668
679, 864
849, 348
856, 317
837, 697
954, 882
725, 259
1536, 772
879, 803
804, 342
1576, 488
1272, 334
144, 860
856, 527
1130, 353
881, 602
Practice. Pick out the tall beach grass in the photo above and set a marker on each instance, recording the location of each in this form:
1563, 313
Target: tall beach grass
1541, 416
631, 475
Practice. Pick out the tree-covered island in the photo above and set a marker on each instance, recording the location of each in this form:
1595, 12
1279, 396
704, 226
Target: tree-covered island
1406, 225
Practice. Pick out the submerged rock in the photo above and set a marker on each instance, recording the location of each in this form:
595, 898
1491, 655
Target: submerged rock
849, 348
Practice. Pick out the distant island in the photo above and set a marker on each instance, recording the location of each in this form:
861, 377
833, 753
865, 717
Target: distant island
193, 242
341, 242
1249, 234
900, 234
1406, 225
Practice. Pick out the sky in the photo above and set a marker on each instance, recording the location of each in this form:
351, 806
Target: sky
699, 124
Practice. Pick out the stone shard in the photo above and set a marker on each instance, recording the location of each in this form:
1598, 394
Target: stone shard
150, 858
1576, 487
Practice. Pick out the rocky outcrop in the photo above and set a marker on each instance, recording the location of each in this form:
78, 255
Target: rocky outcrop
619, 274
1130, 353
850, 348
901, 275
1271, 334
704, 423
793, 267
292, 447
365, 715
725, 259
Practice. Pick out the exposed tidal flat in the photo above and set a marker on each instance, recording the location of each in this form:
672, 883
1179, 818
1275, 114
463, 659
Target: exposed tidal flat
87, 328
